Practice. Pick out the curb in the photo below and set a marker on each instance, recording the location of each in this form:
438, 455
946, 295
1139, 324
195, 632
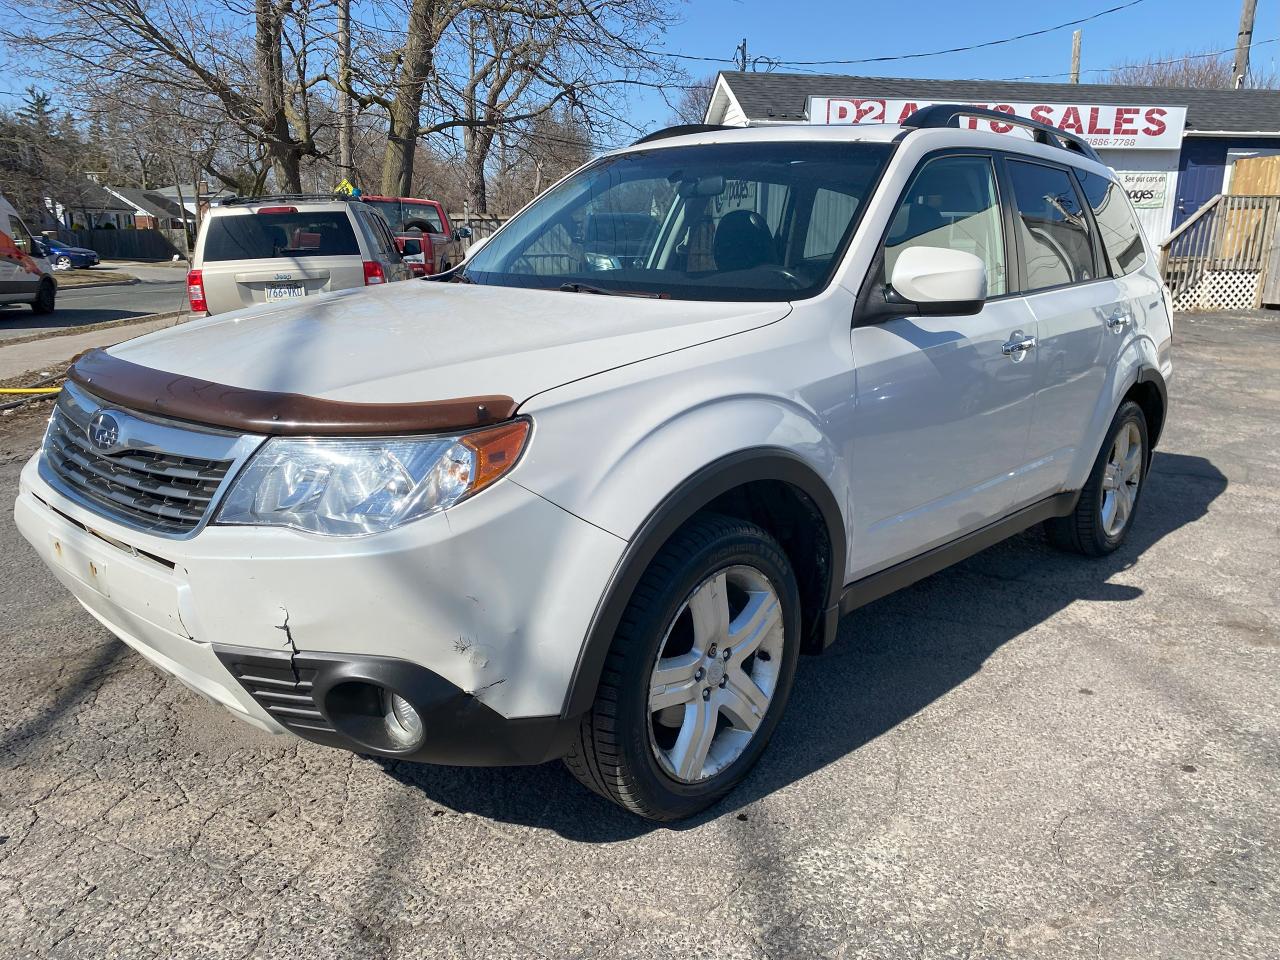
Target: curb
90, 328
91, 286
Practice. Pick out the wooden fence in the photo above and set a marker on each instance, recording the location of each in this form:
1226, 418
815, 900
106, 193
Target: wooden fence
127, 244
1224, 256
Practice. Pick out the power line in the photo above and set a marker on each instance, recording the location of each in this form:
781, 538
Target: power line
1151, 63
778, 61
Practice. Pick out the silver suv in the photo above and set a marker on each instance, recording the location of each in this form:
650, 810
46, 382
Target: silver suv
596, 495
256, 250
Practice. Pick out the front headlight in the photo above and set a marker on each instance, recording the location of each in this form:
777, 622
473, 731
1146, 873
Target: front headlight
348, 488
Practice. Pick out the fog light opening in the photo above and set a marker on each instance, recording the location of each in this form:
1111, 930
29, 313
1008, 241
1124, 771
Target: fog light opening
404, 724
374, 716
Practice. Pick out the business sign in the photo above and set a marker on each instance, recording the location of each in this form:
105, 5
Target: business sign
1147, 191
1105, 126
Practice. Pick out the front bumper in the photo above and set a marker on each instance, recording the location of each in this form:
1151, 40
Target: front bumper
477, 615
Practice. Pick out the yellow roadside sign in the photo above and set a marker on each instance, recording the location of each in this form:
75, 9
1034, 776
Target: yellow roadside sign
345, 187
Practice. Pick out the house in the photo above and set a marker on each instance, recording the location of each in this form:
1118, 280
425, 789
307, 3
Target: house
192, 196
85, 205
151, 211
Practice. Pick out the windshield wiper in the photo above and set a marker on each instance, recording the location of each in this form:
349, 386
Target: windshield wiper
574, 286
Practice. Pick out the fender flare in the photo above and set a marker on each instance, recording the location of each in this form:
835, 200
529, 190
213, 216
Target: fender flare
1149, 374
690, 496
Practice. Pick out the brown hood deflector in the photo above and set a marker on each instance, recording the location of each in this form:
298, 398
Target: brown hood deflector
263, 411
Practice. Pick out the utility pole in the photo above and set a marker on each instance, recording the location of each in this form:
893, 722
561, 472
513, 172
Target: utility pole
1244, 39
741, 53
1075, 57
344, 84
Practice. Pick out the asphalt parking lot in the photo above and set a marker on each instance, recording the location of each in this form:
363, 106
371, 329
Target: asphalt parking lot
1028, 755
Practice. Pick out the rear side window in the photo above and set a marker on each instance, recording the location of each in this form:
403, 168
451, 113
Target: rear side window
1051, 224
1117, 223
379, 234
264, 236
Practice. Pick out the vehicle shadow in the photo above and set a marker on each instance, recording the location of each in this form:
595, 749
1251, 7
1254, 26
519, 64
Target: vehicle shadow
18, 318
894, 658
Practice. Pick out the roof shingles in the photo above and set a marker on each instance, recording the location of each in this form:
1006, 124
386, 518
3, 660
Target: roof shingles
784, 96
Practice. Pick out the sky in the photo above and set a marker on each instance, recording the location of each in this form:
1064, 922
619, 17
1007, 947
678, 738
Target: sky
790, 30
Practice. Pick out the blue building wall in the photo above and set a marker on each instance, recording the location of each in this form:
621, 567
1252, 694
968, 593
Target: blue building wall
1202, 167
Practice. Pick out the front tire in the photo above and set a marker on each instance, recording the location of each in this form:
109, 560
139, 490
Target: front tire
698, 674
1104, 514
46, 295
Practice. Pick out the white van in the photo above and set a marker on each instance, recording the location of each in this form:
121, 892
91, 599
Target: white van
25, 273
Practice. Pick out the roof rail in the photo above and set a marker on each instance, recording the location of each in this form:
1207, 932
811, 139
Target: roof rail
949, 114
680, 130
281, 197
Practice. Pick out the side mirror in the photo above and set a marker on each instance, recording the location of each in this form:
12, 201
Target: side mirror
938, 281
462, 233
475, 245
40, 249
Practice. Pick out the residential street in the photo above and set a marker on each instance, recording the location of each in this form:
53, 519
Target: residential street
1028, 755
163, 290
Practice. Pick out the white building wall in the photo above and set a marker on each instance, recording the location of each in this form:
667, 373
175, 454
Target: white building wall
1140, 169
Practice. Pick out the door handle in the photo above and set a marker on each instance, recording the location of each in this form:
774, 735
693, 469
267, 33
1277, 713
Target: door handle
1121, 318
1017, 348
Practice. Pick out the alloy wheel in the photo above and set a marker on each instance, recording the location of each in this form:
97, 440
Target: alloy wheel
716, 673
1121, 479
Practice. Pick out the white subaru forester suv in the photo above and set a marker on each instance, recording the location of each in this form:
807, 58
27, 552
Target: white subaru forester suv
592, 498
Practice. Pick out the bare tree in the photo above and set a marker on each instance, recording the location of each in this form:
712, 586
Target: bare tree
1204, 69
469, 68
691, 102
197, 55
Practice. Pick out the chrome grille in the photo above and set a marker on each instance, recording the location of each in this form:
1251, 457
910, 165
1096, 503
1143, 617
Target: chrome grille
151, 478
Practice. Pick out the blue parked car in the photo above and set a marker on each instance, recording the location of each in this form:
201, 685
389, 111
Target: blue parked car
64, 256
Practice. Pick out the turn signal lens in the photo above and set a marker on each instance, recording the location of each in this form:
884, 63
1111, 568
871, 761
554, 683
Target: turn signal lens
496, 451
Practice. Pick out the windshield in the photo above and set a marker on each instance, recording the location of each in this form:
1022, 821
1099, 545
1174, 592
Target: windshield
739, 221
405, 216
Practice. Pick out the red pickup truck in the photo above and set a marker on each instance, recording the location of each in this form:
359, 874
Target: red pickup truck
410, 216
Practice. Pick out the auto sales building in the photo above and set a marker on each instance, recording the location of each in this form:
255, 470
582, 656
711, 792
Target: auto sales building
1173, 148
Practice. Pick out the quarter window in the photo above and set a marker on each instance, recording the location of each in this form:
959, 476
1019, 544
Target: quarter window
952, 203
1117, 223
1051, 225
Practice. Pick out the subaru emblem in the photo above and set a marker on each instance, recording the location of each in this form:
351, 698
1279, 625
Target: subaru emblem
104, 430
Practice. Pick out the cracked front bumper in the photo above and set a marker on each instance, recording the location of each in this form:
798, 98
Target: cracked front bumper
493, 598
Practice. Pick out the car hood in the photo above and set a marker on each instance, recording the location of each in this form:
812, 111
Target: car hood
419, 340
85, 251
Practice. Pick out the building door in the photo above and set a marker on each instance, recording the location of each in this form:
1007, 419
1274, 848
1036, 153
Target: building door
1199, 176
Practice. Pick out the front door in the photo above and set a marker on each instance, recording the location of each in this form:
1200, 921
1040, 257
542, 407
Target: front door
942, 404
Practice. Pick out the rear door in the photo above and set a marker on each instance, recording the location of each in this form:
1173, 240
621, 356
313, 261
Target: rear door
1079, 308
942, 405
273, 253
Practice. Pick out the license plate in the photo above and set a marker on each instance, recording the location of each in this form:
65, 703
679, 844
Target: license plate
284, 291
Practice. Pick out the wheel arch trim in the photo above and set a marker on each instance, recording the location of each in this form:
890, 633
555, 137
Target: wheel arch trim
686, 499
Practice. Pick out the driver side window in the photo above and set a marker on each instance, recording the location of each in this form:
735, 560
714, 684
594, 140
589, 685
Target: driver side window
21, 238
952, 202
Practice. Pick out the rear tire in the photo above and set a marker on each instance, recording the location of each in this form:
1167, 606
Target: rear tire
698, 674
1104, 514
46, 295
